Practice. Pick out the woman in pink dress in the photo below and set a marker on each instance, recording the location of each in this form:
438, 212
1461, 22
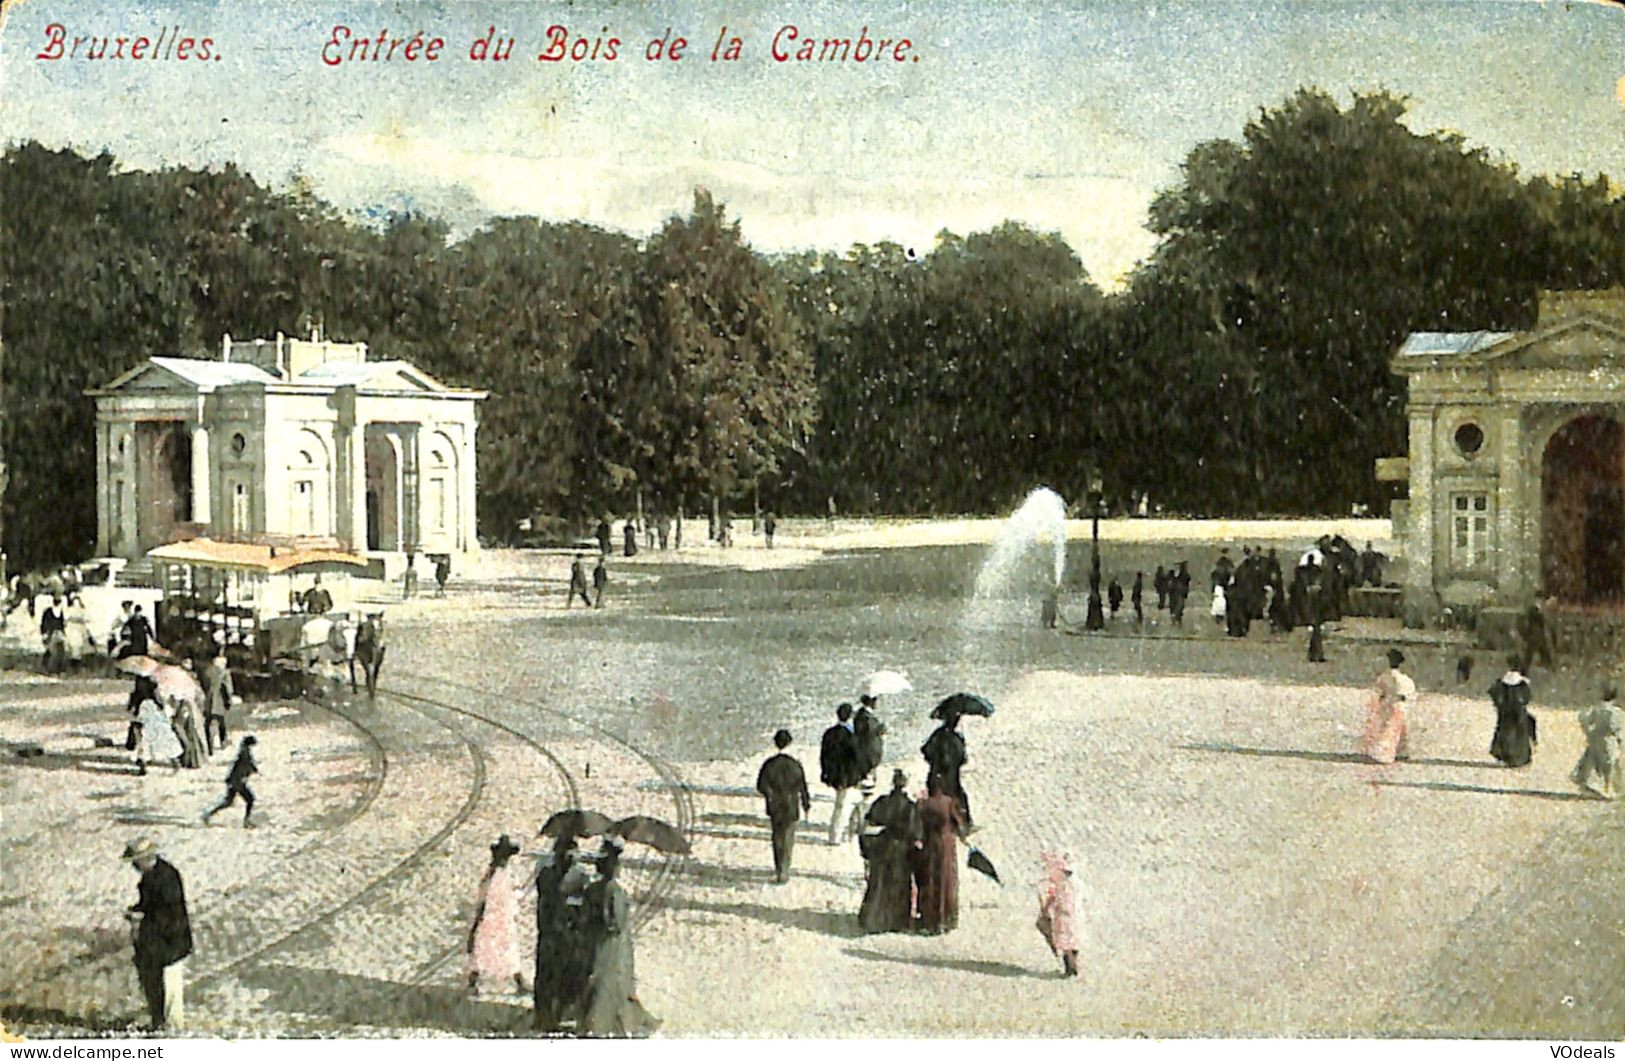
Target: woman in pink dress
1057, 911
493, 942
1384, 737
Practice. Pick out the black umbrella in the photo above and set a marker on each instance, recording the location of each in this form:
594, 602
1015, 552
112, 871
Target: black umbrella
662, 836
982, 864
577, 822
964, 704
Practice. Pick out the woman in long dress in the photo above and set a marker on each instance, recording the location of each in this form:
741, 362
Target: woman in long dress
1384, 737
888, 898
156, 741
1057, 912
1601, 769
937, 872
493, 939
611, 1006
188, 725
1515, 736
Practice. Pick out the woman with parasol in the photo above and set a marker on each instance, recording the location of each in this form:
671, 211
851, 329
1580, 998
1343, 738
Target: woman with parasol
611, 1007
493, 942
944, 751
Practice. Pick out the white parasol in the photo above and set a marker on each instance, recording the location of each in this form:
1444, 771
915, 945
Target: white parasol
886, 683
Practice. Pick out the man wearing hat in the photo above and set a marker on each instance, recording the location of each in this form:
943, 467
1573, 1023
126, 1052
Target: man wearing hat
783, 784
163, 935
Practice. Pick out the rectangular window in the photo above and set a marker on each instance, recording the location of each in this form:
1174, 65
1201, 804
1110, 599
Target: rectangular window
1470, 530
304, 507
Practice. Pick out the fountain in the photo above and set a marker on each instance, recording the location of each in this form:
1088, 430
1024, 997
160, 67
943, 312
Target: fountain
1016, 574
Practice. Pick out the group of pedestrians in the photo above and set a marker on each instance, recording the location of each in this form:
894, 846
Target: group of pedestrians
908, 844
585, 972
1391, 726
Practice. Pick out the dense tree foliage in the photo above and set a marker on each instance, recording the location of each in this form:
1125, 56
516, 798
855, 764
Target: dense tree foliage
1290, 264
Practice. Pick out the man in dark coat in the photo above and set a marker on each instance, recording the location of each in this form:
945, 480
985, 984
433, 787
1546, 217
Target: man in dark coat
53, 629
603, 537
1179, 588
1315, 603
317, 600
137, 635
1114, 596
578, 583
784, 786
1535, 640
1371, 566
163, 935
629, 537
840, 766
1136, 597
945, 753
600, 579
1159, 582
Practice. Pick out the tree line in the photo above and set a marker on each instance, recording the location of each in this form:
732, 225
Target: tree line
1243, 369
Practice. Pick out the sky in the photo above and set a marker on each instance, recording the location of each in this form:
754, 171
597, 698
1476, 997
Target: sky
1069, 117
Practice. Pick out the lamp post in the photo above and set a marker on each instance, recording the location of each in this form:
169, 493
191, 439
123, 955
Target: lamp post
1096, 619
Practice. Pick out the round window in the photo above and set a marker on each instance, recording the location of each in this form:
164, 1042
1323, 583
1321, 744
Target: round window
238, 444
1469, 439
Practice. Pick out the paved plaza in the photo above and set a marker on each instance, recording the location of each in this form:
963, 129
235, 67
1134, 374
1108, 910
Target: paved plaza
1240, 871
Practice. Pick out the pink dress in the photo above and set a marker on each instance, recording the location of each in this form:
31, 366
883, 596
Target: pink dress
1383, 738
495, 956
1057, 909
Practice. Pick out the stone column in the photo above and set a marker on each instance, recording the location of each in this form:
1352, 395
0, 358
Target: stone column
104, 488
1513, 566
1421, 599
353, 503
202, 476
411, 501
468, 538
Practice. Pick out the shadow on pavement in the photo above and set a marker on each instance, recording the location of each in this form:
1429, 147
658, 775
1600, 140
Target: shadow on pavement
44, 1017
964, 965
359, 1001
702, 873
1333, 757
841, 924
1445, 786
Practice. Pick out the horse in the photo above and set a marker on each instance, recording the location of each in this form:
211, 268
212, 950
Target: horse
368, 650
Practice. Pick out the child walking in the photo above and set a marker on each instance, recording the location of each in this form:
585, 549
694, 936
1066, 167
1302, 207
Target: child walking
237, 783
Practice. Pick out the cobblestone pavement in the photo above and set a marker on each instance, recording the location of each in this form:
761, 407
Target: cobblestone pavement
1240, 871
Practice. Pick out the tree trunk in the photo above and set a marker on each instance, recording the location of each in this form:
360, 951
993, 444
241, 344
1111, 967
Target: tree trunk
716, 519
756, 507
677, 534
639, 499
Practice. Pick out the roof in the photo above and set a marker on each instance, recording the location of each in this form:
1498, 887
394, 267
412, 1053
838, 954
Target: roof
1449, 344
384, 375
201, 373
248, 556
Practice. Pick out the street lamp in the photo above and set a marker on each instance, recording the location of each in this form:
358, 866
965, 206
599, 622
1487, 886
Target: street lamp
1096, 619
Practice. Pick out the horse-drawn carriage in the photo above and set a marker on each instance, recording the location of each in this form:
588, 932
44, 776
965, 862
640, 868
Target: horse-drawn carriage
283, 614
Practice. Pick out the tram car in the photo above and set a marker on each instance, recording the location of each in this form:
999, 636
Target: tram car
285, 613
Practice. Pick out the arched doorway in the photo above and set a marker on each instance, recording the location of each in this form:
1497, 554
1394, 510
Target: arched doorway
383, 492
1583, 512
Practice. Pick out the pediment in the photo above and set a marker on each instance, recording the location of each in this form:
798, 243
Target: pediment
1584, 343
151, 377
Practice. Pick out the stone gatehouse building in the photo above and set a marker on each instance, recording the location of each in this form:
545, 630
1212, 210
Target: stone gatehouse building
285, 437
1517, 463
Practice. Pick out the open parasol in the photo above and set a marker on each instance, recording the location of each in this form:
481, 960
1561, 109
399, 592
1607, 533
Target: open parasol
885, 683
963, 704
577, 822
662, 836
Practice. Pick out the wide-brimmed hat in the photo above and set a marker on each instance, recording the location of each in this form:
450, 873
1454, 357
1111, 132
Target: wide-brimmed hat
504, 848
1395, 657
140, 847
